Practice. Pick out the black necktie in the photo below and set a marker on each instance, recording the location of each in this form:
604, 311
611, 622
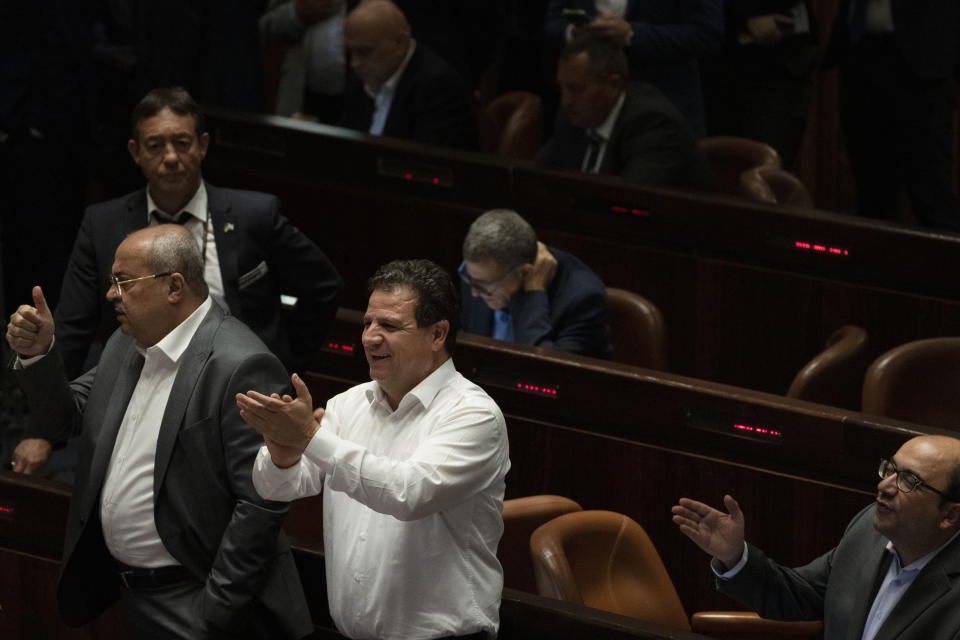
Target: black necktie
163, 218
594, 142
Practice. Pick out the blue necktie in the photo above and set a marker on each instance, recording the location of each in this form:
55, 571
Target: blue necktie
502, 325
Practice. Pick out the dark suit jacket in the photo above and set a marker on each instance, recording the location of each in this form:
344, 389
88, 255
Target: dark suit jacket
668, 37
261, 256
928, 32
650, 143
431, 104
839, 588
208, 513
570, 315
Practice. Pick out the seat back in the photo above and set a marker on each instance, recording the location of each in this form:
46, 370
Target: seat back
835, 376
916, 382
774, 185
511, 126
730, 156
521, 517
606, 561
638, 333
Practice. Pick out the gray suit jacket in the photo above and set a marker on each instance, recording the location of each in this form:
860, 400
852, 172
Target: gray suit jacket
839, 588
208, 515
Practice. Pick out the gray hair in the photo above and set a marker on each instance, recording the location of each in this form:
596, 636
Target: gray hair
175, 251
503, 236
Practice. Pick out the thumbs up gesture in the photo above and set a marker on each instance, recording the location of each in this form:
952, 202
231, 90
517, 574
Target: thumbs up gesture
30, 332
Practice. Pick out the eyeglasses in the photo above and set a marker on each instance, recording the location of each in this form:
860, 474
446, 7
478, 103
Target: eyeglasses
907, 481
114, 282
484, 290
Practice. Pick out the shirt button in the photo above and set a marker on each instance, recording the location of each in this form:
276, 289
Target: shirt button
363, 536
356, 578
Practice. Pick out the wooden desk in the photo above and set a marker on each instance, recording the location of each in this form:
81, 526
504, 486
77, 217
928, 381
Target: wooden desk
743, 303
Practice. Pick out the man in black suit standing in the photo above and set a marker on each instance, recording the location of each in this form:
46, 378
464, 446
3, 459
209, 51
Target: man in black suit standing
898, 67
251, 253
611, 127
164, 516
399, 87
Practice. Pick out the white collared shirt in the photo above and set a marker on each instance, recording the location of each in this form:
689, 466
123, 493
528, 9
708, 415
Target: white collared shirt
605, 130
126, 501
383, 99
198, 224
412, 503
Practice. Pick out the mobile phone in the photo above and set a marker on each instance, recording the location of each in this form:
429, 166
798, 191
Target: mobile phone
576, 17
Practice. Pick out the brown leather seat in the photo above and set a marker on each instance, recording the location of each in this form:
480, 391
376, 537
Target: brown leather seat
916, 382
730, 156
638, 333
774, 185
521, 516
605, 560
511, 126
835, 376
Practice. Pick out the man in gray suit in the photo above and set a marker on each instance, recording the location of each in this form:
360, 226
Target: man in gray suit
164, 515
894, 574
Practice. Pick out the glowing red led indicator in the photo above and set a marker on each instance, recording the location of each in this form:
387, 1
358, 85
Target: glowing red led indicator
639, 212
537, 389
5, 510
336, 346
436, 181
837, 251
617, 209
408, 176
760, 430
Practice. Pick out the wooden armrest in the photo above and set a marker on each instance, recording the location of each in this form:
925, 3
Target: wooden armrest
747, 625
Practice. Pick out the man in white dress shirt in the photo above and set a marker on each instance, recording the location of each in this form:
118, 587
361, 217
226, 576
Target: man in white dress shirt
411, 466
894, 574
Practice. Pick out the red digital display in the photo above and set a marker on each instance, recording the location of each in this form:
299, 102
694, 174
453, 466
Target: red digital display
631, 210
536, 389
821, 248
341, 348
760, 431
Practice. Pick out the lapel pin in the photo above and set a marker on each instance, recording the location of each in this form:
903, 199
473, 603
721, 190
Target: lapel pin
227, 228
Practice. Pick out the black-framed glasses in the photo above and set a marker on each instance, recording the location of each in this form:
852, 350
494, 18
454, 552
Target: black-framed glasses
484, 290
115, 282
907, 481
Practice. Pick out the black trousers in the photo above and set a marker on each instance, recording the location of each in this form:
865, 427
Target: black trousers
897, 127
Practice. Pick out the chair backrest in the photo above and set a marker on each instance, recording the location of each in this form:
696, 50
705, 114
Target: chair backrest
638, 333
835, 376
730, 156
521, 517
774, 185
511, 126
916, 382
606, 561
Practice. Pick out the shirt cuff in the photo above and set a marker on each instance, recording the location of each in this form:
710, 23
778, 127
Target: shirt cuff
729, 573
322, 449
23, 363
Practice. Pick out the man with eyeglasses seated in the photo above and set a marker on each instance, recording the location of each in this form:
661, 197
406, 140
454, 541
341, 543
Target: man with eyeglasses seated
894, 574
164, 516
515, 288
